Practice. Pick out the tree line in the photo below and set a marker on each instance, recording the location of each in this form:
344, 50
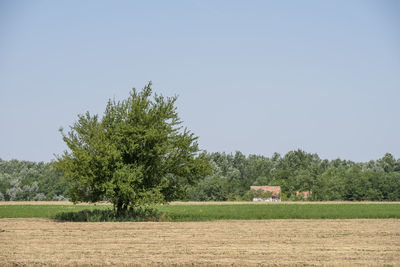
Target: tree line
138, 153
231, 178
377, 180
26, 180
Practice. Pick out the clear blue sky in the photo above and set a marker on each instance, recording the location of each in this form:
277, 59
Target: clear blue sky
254, 76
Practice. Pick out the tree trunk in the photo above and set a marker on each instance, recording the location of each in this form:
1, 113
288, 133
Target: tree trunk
121, 208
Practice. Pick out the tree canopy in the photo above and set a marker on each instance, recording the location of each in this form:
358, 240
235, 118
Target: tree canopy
337, 179
233, 174
25, 180
137, 153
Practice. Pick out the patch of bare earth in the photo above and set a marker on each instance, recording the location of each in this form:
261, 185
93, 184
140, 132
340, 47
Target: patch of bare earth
268, 242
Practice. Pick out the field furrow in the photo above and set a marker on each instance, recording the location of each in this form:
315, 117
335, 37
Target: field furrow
30, 241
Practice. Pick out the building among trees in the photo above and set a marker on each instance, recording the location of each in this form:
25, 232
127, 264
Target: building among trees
304, 194
266, 193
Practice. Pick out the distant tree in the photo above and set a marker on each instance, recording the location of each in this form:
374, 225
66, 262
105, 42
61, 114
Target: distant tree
209, 189
388, 162
15, 192
136, 154
39, 197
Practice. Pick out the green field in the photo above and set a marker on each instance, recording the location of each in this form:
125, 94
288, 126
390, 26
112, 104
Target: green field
209, 212
280, 211
42, 211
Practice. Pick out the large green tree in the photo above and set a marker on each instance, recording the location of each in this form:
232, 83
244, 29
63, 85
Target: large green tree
136, 154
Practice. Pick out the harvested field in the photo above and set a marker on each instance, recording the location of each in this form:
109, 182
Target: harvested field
31, 241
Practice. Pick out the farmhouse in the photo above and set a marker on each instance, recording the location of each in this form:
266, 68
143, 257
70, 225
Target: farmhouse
304, 194
274, 190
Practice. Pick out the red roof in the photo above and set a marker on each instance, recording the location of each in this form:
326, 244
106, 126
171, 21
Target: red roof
305, 194
275, 190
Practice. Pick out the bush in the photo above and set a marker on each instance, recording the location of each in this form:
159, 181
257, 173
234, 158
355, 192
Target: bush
138, 214
39, 197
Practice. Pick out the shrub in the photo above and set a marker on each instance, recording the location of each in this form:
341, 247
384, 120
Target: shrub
39, 197
138, 214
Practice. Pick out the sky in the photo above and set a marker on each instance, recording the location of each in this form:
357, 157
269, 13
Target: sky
252, 76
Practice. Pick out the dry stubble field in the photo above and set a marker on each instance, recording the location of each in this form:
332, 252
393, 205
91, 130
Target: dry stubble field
36, 241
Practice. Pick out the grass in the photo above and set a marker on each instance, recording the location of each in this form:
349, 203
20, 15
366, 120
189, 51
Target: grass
43, 210
210, 212
280, 211
140, 214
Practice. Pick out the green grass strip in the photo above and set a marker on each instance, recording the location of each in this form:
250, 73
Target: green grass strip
209, 212
280, 211
43, 211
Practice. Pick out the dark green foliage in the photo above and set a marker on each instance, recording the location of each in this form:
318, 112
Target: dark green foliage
136, 214
209, 189
232, 176
299, 171
136, 154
